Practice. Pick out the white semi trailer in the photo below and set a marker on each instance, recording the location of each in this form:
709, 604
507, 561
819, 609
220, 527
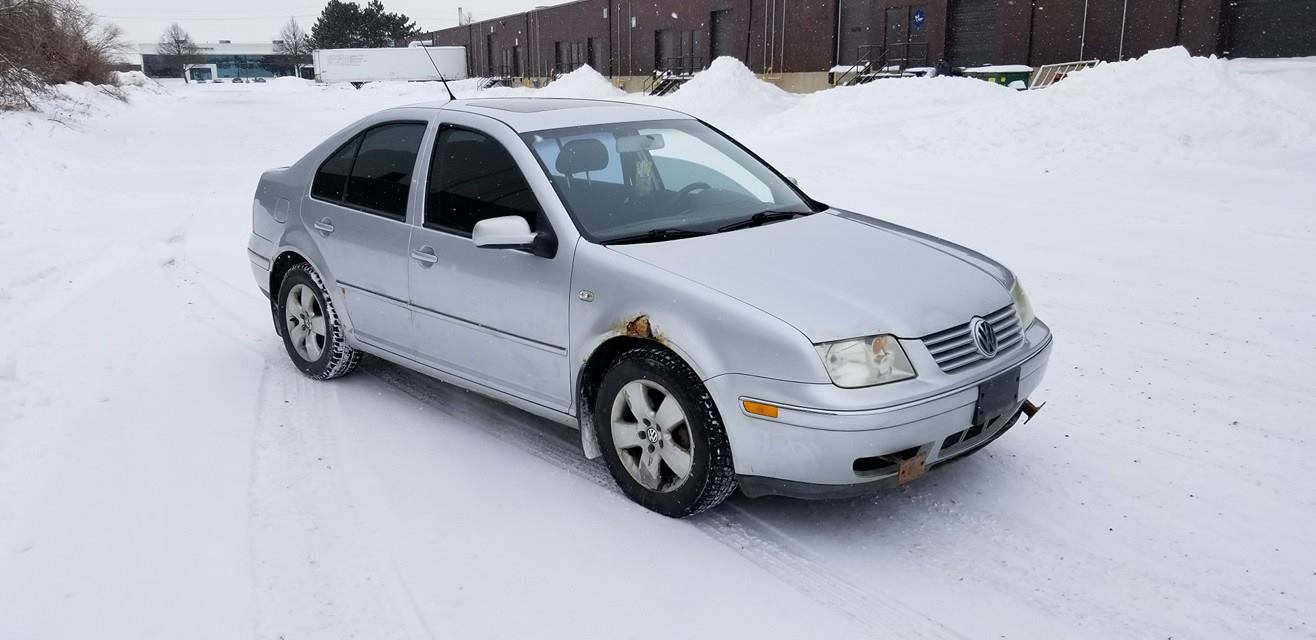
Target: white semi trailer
378, 65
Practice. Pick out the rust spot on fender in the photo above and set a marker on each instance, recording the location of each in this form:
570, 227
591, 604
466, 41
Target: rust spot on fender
638, 327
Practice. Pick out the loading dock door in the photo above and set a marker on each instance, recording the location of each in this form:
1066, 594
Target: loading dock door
971, 40
854, 31
723, 34
1269, 28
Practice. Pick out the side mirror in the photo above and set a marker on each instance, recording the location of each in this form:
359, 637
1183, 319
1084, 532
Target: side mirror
794, 181
512, 232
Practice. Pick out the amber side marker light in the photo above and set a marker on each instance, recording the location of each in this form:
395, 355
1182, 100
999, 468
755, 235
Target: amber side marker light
759, 409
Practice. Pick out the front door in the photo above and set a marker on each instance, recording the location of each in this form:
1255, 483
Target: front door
357, 212
497, 317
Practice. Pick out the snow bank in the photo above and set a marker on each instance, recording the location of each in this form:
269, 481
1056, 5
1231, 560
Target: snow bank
137, 79
1165, 105
584, 82
728, 85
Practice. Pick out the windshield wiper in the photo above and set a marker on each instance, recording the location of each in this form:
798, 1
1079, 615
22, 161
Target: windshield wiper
656, 235
761, 218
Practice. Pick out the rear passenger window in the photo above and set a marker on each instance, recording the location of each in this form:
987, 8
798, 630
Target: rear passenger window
332, 176
381, 175
372, 171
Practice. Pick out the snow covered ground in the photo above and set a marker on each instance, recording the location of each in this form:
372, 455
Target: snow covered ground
165, 473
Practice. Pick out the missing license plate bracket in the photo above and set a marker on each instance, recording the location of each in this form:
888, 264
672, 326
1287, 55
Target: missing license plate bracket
911, 468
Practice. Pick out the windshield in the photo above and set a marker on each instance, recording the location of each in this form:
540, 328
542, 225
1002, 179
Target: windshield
649, 181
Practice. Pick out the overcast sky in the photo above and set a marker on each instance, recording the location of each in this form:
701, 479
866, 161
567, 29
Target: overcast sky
261, 20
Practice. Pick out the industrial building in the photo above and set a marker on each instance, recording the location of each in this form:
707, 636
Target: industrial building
222, 60
801, 44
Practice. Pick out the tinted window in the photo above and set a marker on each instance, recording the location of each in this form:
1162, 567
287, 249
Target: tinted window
332, 176
381, 175
473, 178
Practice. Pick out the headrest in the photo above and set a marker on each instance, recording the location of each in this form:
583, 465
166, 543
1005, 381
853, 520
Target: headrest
580, 156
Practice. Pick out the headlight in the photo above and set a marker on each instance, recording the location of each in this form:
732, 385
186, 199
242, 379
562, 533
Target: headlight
1022, 305
864, 362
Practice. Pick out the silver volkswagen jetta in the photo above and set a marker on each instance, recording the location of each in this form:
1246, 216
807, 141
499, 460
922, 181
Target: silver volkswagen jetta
633, 272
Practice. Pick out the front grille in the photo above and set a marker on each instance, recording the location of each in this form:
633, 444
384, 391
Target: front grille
953, 349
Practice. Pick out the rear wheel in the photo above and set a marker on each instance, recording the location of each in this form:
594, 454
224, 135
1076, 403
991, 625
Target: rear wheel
311, 332
661, 434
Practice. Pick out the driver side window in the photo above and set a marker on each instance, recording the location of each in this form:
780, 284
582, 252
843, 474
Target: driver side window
472, 177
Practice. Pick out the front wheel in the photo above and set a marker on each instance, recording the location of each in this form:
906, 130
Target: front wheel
661, 434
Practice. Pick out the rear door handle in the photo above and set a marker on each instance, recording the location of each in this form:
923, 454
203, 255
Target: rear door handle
425, 255
325, 226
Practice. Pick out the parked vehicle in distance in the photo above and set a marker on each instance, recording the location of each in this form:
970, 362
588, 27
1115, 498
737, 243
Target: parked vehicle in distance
633, 272
413, 63
236, 81
259, 80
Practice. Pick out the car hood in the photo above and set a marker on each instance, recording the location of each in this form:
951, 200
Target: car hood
836, 275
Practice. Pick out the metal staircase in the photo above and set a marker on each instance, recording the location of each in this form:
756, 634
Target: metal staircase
672, 73
877, 62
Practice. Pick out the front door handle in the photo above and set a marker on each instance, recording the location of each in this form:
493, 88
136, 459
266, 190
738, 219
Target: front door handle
324, 226
425, 255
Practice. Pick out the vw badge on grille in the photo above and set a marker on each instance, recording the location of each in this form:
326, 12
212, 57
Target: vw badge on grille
984, 337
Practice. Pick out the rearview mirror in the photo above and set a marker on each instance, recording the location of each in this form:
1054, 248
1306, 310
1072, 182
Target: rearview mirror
640, 142
506, 232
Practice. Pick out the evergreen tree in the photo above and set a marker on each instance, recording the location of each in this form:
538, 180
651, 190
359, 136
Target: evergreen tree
344, 25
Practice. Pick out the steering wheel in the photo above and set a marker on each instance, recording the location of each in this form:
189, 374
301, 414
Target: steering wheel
691, 188
683, 198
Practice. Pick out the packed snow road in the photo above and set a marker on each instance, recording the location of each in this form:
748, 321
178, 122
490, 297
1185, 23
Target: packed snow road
166, 473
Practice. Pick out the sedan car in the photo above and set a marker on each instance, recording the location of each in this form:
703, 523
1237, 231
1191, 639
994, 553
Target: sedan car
635, 273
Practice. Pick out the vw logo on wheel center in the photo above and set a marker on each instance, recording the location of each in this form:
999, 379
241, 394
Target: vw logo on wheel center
653, 435
984, 337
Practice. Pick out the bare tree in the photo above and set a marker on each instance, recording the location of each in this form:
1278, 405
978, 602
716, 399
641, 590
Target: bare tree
44, 42
293, 45
176, 45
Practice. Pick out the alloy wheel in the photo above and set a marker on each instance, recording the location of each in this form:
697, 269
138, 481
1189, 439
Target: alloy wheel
305, 323
651, 436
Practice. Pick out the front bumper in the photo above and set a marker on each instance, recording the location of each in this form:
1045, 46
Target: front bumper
822, 453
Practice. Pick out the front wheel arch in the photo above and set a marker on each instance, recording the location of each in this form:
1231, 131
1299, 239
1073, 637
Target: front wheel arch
591, 374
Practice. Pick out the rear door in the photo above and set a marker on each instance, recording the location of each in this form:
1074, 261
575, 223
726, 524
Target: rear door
494, 316
357, 212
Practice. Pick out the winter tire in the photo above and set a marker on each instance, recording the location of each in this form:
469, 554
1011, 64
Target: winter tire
661, 434
310, 328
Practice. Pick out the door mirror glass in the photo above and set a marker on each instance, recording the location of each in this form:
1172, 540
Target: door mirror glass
505, 232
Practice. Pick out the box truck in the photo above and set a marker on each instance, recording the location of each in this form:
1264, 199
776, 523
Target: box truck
377, 65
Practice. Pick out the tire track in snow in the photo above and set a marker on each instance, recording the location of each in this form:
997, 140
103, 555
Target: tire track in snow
315, 572
868, 607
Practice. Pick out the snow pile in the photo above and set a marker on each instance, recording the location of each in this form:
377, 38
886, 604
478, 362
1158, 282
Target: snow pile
584, 82
728, 85
862, 109
1163, 492
1166, 105
137, 79
289, 82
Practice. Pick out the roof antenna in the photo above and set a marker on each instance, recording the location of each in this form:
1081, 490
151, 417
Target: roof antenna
436, 70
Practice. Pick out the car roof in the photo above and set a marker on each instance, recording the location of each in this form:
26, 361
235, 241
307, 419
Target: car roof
537, 114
